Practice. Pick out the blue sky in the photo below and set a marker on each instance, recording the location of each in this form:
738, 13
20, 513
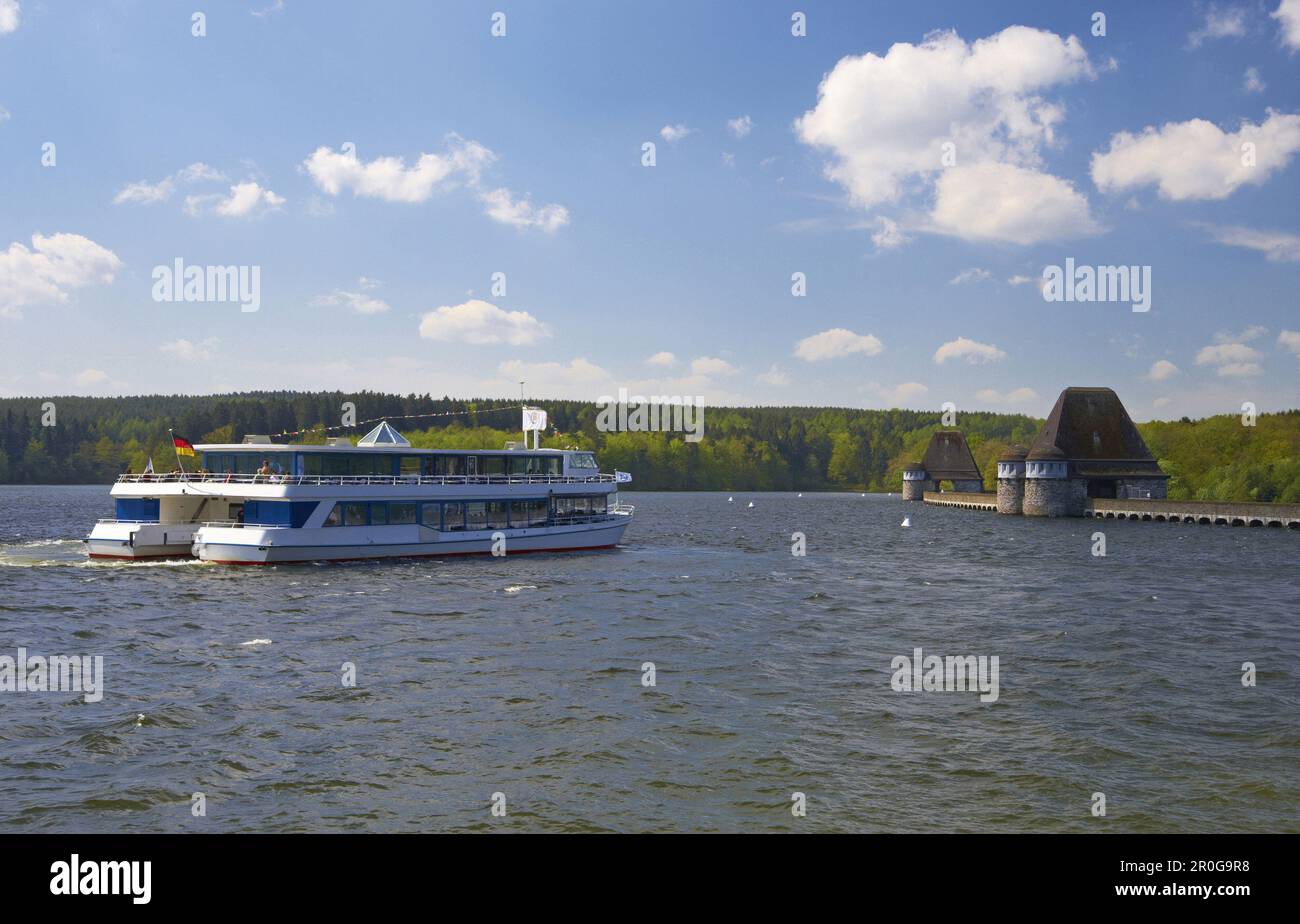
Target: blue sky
522, 154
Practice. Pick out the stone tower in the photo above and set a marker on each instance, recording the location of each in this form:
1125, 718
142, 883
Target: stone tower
916, 481
1011, 481
1049, 489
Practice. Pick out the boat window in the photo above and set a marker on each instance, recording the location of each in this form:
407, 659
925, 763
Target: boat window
476, 515
563, 506
582, 460
496, 515
581, 506
491, 465
335, 517
354, 514
453, 516
429, 515
401, 513
378, 514
598, 503
518, 465
526, 513
410, 465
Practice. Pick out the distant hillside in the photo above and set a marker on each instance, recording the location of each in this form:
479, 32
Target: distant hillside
760, 449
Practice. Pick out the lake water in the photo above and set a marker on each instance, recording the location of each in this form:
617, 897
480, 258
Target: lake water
523, 676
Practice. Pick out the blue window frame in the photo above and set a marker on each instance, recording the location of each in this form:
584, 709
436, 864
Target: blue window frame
137, 509
278, 513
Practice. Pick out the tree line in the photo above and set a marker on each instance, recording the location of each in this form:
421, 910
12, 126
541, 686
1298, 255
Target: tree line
93, 440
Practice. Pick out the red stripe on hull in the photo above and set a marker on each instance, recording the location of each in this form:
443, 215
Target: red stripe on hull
312, 561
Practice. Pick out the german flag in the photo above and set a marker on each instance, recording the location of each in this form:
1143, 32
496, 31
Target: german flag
183, 446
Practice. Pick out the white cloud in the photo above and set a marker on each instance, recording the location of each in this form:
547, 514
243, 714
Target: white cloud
578, 378
190, 351
10, 16
1287, 15
889, 236
1251, 82
711, 365
1219, 23
1230, 355
674, 133
885, 121
728, 159
740, 126
480, 322
1289, 340
902, 394
91, 377
146, 193
54, 266
359, 302
974, 274
835, 343
1022, 280
1278, 246
970, 350
389, 179
1017, 396
4, 115
246, 199
1161, 370
662, 358
1196, 159
520, 213
775, 376
1011, 204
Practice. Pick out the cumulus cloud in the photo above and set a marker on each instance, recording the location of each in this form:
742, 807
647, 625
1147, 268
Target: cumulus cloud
1287, 15
740, 126
974, 274
1289, 340
502, 206
360, 302
1251, 82
674, 133
245, 200
902, 394
1230, 354
836, 343
970, 350
711, 365
1278, 246
143, 192
1016, 396
1196, 159
461, 163
389, 179
1219, 22
889, 235
480, 322
91, 377
662, 358
775, 375
885, 121
1161, 370
191, 351
48, 272
1010, 204
10, 16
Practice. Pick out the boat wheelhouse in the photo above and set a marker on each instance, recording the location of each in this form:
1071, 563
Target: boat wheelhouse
259, 502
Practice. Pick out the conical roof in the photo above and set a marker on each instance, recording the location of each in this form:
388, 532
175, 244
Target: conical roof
383, 435
948, 458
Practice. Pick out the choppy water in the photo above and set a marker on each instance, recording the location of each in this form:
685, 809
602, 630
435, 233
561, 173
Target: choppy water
523, 676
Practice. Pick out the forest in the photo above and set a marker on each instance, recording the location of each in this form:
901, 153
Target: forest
77, 440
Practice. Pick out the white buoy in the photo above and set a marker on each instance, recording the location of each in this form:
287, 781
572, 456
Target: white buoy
801, 495
730, 499
139, 719
751, 503
907, 521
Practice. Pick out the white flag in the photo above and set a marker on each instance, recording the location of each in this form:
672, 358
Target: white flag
534, 418
148, 469
622, 477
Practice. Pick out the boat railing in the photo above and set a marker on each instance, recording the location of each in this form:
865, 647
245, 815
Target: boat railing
622, 509
352, 480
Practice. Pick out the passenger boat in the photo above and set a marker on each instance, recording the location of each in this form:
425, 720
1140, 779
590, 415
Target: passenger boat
377, 499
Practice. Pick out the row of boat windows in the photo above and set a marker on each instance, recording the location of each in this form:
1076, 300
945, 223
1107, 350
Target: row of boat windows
463, 515
369, 463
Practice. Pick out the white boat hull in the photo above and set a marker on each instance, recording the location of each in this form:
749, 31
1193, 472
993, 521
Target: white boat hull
258, 546
130, 541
